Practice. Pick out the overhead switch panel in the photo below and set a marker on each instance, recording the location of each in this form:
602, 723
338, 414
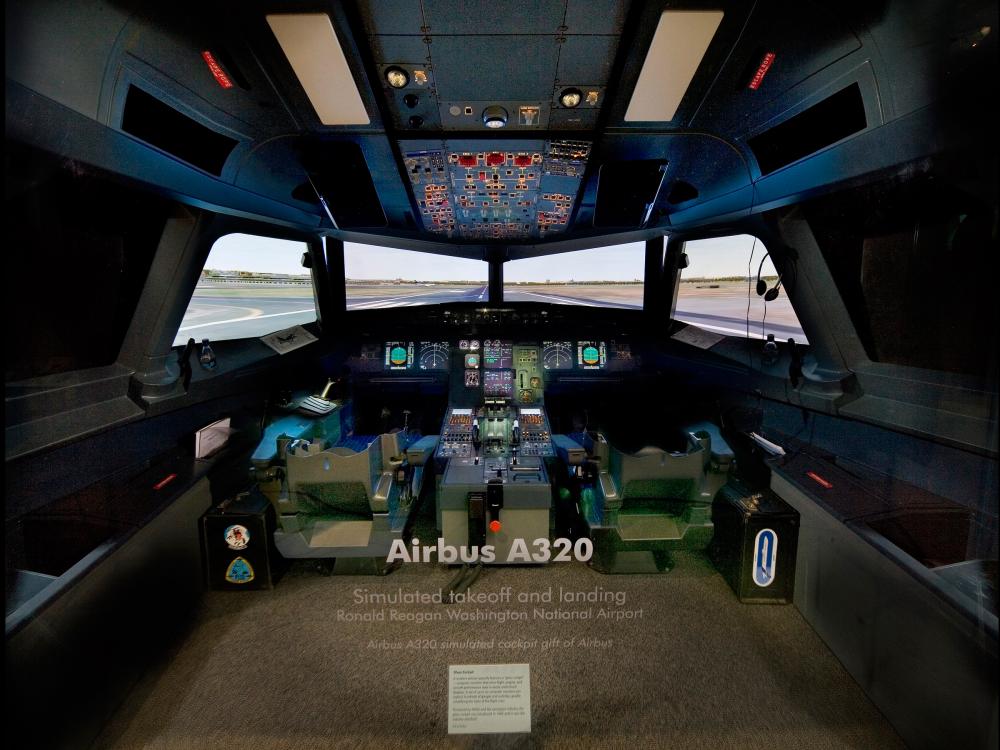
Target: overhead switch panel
517, 190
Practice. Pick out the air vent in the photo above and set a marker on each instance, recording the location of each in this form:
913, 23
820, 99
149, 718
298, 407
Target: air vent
822, 125
150, 120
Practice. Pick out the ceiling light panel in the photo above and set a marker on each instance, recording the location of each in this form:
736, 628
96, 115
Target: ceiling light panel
314, 52
676, 52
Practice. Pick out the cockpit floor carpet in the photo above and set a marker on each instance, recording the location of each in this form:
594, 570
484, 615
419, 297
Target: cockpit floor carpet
644, 527
672, 661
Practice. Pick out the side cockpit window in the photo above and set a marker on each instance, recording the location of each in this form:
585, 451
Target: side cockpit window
250, 286
718, 290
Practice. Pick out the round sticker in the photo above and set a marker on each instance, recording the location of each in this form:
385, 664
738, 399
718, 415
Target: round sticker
237, 537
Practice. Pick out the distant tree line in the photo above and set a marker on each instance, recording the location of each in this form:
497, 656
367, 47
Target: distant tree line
701, 279
213, 273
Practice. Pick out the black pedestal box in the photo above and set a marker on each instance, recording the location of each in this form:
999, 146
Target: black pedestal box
237, 538
756, 538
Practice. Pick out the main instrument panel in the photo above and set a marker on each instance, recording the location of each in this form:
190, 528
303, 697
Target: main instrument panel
409, 355
493, 363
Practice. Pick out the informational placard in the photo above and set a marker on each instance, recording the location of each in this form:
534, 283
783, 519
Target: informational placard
489, 698
211, 438
288, 340
698, 337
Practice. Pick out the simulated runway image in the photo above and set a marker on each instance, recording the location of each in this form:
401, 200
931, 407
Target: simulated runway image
229, 311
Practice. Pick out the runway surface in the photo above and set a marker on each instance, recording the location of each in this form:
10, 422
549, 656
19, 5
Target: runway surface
221, 315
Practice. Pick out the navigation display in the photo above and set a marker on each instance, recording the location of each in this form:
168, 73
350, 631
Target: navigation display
398, 355
591, 355
557, 355
498, 383
498, 355
433, 355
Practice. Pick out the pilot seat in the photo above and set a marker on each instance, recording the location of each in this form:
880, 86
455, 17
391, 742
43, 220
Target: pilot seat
640, 504
340, 495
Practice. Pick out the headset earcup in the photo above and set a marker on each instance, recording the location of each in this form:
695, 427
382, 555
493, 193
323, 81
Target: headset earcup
761, 287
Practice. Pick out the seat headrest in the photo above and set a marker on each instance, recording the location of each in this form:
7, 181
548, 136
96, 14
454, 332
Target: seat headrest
649, 450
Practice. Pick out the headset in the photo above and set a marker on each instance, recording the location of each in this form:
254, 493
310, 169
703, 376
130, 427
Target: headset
771, 294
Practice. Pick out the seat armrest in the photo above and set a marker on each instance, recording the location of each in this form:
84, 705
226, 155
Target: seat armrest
721, 454
420, 452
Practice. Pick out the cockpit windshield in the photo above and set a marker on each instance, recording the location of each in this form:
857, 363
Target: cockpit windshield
600, 277
384, 277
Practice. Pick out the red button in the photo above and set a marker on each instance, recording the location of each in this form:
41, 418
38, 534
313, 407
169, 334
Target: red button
494, 526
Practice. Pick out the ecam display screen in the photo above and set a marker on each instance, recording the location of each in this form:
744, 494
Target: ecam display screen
498, 355
498, 383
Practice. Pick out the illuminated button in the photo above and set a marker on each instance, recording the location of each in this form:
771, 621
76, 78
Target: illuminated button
494, 117
396, 77
570, 98
495, 526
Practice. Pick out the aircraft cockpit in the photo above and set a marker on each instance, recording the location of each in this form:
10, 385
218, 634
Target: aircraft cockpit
567, 373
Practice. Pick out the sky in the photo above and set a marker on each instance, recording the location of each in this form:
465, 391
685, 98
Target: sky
615, 263
725, 256
245, 252
371, 262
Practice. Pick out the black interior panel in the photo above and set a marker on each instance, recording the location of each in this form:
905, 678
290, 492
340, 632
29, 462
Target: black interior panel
340, 173
160, 125
821, 125
625, 190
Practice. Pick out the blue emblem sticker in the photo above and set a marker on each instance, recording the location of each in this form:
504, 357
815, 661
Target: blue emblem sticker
239, 571
237, 537
765, 557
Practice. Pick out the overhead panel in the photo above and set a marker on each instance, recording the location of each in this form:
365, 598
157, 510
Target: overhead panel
595, 16
314, 52
521, 189
679, 44
461, 57
464, 17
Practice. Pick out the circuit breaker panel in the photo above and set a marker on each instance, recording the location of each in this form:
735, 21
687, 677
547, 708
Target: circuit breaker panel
519, 190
